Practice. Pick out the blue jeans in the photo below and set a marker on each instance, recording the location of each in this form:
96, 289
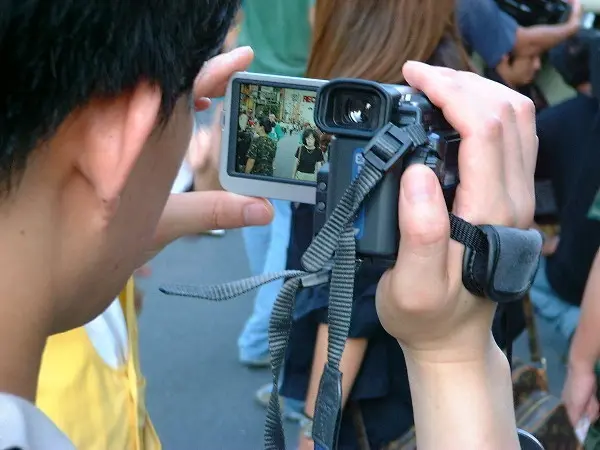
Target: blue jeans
562, 315
266, 247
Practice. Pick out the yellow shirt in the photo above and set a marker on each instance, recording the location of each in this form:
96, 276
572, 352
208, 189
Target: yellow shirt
97, 406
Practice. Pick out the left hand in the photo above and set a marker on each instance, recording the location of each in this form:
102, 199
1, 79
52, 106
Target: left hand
196, 212
203, 156
579, 394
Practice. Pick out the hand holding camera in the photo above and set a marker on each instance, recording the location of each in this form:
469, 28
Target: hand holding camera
394, 159
195, 212
422, 300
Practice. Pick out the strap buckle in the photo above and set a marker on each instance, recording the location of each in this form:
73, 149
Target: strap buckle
391, 143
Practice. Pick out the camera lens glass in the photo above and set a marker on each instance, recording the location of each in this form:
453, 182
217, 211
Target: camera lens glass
357, 109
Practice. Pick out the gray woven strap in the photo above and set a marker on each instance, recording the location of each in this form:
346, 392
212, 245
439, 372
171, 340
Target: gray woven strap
336, 236
335, 244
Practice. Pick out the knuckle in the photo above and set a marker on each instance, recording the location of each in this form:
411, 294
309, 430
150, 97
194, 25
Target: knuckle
215, 215
426, 237
524, 108
491, 127
506, 112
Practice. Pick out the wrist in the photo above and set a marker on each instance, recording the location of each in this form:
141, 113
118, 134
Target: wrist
442, 364
582, 357
581, 363
478, 391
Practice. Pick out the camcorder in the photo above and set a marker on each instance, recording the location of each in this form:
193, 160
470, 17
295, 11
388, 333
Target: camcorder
528, 13
315, 142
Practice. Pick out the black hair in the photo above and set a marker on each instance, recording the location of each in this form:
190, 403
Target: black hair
60, 54
266, 124
308, 132
571, 59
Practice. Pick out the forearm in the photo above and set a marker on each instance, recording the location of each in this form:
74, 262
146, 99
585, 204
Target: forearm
585, 348
350, 365
541, 38
464, 405
249, 166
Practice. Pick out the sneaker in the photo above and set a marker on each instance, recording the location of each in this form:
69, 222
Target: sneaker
216, 233
258, 363
292, 409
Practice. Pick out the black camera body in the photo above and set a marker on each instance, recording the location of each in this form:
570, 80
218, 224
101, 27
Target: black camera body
528, 13
354, 111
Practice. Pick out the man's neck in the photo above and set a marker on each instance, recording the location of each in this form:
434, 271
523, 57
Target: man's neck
25, 300
21, 349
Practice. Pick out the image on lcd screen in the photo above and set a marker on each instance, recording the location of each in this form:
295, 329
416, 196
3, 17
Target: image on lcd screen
276, 134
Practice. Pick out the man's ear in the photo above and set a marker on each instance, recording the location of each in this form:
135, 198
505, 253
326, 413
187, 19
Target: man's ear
116, 132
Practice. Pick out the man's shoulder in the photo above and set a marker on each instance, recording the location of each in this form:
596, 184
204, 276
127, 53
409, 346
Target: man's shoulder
595, 208
23, 426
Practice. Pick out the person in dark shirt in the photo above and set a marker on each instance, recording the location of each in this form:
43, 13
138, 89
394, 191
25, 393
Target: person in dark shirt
309, 157
261, 154
568, 155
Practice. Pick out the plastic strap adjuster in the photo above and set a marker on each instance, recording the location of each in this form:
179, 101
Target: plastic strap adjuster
391, 143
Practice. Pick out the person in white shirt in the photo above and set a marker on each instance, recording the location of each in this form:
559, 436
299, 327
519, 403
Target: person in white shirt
92, 134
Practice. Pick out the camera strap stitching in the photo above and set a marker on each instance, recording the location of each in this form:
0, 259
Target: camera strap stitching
335, 240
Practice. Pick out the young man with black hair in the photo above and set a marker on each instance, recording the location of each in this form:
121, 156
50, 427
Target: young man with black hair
94, 129
96, 117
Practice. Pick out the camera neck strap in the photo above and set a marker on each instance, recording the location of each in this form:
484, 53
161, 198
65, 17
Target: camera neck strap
499, 263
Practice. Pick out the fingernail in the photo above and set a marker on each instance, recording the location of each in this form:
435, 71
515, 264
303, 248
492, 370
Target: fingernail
256, 214
237, 51
202, 103
419, 187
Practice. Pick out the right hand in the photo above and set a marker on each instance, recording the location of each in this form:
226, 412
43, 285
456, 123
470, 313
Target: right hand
204, 153
422, 301
579, 394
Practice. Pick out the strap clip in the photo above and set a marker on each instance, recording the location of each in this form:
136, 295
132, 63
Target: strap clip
391, 143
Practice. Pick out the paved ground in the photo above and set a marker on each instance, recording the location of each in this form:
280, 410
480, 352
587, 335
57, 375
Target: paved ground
285, 158
198, 395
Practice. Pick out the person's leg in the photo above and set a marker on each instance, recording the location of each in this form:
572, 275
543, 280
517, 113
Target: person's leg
350, 364
253, 343
256, 242
563, 316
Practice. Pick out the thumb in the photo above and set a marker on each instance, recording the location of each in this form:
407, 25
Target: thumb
196, 212
424, 233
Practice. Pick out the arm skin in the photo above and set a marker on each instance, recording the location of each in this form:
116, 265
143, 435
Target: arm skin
585, 348
464, 405
541, 38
